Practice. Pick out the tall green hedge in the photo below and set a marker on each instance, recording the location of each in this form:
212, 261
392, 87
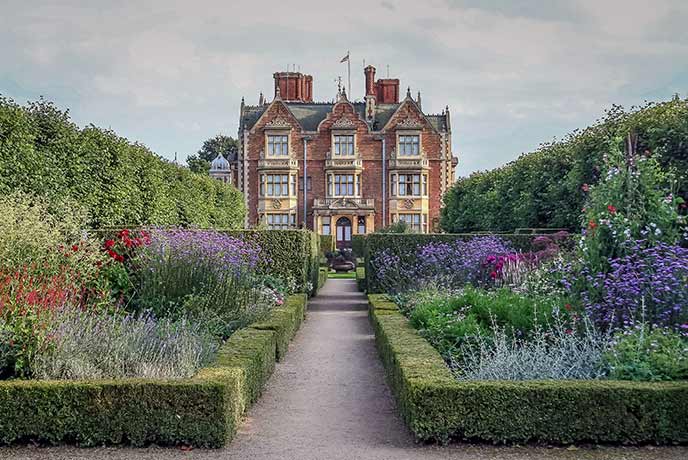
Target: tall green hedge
542, 189
358, 243
203, 411
292, 253
437, 407
405, 245
118, 182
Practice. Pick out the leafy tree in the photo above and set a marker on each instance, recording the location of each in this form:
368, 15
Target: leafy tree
226, 145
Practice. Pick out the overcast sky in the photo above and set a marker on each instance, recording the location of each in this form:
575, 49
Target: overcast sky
514, 73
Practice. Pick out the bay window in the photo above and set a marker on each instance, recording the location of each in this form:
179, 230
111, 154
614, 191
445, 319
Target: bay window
409, 184
277, 185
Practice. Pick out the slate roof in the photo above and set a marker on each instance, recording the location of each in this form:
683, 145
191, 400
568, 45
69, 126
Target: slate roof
311, 114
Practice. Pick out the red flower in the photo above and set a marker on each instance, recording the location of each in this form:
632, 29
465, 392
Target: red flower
585, 188
569, 331
123, 233
109, 244
611, 209
119, 258
493, 275
567, 307
75, 247
592, 225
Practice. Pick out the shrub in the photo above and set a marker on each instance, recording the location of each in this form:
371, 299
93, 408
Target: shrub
405, 249
118, 182
441, 264
289, 254
648, 285
633, 201
448, 319
204, 274
543, 189
557, 352
437, 407
644, 354
43, 239
86, 345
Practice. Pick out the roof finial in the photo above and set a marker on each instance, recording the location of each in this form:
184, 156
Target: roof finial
261, 99
408, 92
278, 93
418, 100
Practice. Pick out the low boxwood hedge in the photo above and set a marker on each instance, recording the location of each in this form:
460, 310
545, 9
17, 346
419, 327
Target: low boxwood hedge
202, 411
284, 322
322, 276
437, 407
361, 279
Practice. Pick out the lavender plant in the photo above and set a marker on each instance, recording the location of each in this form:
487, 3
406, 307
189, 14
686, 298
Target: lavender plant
91, 345
650, 285
448, 265
205, 275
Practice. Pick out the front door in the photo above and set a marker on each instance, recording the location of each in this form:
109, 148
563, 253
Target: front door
343, 233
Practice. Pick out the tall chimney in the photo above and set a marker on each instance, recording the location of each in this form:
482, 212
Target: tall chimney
294, 86
369, 80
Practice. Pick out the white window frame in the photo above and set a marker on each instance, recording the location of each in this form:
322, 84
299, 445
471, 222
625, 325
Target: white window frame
408, 144
349, 144
270, 145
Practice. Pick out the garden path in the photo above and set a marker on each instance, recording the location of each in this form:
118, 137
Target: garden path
328, 400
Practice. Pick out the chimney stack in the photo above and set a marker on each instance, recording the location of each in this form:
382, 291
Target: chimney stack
369, 80
294, 86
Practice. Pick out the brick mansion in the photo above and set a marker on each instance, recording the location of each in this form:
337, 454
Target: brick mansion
341, 167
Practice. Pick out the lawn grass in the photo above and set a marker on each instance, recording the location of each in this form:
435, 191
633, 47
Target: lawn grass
348, 275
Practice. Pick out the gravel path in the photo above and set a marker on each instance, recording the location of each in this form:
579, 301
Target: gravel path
329, 400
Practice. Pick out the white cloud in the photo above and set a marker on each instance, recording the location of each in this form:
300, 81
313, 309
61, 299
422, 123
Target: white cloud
172, 73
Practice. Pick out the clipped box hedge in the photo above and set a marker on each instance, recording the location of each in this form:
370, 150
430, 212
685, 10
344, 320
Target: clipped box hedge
284, 322
293, 253
405, 245
361, 278
437, 407
322, 276
203, 411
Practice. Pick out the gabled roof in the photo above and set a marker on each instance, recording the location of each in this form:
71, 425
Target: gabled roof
311, 114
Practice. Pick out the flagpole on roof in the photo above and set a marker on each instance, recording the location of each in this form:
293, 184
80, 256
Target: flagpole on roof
348, 66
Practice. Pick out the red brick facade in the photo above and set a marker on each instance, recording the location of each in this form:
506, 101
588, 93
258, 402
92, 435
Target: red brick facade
344, 159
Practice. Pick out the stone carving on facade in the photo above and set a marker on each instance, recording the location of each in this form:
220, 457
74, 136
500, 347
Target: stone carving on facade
409, 123
408, 204
279, 122
344, 123
277, 204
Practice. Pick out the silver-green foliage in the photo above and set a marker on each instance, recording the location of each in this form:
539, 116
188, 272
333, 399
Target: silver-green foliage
89, 345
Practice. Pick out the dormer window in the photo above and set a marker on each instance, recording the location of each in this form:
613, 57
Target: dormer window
278, 145
409, 145
343, 144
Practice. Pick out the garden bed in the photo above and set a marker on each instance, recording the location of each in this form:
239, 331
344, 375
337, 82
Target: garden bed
437, 407
202, 411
